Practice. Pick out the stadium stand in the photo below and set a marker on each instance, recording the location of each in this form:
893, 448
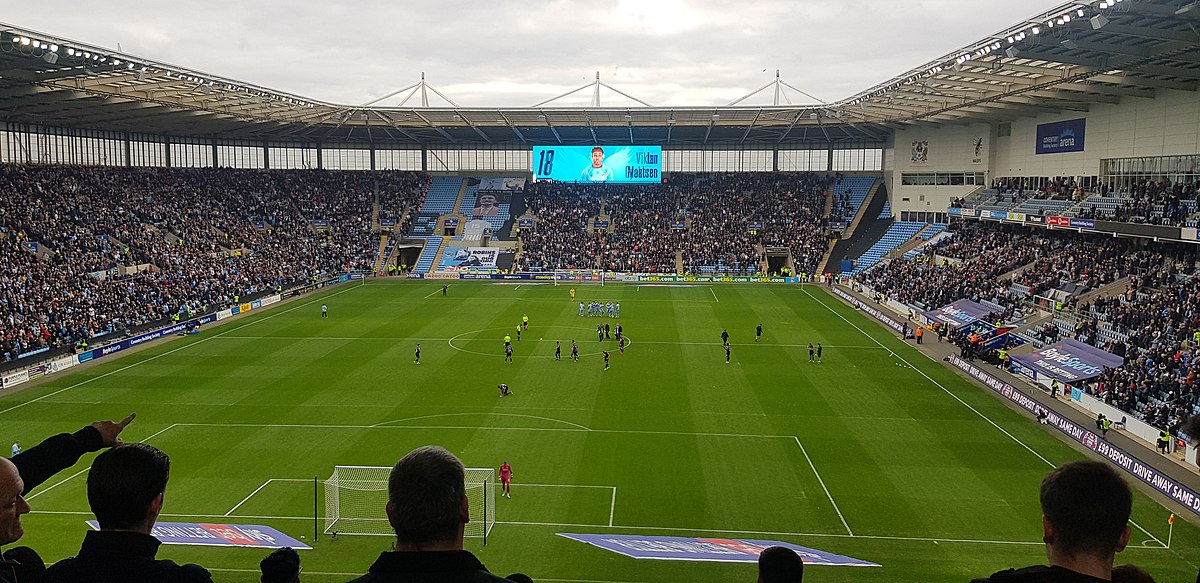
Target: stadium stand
897, 234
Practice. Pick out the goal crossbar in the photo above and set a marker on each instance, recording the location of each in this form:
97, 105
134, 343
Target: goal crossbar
355, 497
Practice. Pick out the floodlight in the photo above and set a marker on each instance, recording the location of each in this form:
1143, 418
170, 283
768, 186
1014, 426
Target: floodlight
54, 48
1079, 12
1037, 30
25, 41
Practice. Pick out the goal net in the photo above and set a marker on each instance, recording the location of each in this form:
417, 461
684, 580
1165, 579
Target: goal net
578, 277
355, 497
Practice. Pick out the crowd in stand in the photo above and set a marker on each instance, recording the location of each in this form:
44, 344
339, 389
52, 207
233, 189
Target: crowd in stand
710, 220
91, 251
1155, 201
1153, 322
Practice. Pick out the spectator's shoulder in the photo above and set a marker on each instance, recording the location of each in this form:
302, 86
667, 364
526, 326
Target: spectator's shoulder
188, 573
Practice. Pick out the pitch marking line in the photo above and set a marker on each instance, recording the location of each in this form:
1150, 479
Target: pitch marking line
387, 423
956, 398
433, 292
264, 485
430, 339
823, 487
84, 470
612, 506
710, 289
174, 350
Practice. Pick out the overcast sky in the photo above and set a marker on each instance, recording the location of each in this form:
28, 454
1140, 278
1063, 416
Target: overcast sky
510, 53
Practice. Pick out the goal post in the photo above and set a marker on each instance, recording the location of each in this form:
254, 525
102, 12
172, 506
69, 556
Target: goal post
355, 497
579, 277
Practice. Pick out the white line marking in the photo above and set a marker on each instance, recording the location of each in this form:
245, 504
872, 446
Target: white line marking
172, 351
59, 483
433, 292
612, 507
459, 337
517, 288
84, 470
256, 490
823, 487
387, 423
710, 289
956, 398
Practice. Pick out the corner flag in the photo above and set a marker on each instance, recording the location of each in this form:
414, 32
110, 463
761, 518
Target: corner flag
1171, 520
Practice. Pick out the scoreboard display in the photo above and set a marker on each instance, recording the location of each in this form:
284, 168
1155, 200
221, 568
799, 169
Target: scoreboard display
612, 164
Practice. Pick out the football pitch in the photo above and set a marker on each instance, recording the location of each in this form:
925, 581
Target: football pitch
876, 453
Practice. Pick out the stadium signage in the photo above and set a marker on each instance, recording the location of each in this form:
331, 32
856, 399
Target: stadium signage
1082, 223
1063, 136
525, 223
675, 548
954, 210
1019, 217
219, 535
612, 164
599, 224
894, 325
998, 215
1070, 361
1122, 459
1035, 219
959, 313
14, 379
1058, 221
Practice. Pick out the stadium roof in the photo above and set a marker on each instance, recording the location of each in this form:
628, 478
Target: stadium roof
1063, 60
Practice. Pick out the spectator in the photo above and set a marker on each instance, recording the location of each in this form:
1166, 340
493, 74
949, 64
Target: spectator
125, 487
28, 470
780, 565
281, 566
427, 507
1085, 523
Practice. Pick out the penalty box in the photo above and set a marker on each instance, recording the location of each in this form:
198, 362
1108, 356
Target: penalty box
720, 476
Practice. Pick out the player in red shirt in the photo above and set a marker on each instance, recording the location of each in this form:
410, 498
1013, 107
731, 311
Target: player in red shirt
506, 477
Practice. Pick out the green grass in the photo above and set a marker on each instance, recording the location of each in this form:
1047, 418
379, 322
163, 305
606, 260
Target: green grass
936, 479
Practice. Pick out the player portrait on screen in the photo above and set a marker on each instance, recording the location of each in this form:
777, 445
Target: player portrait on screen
597, 172
485, 205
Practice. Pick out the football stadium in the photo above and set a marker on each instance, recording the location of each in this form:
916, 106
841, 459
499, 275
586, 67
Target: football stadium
945, 328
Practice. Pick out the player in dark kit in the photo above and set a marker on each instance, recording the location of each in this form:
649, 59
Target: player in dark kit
621, 344
444, 288
504, 392
758, 333
605, 360
557, 350
725, 337
726, 353
574, 351
508, 354
600, 332
818, 353
810, 352
417, 355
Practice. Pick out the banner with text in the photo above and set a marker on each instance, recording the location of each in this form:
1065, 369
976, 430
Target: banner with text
462, 258
721, 550
1069, 361
219, 535
959, 313
1063, 136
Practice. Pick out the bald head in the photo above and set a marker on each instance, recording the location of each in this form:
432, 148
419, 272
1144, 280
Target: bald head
12, 504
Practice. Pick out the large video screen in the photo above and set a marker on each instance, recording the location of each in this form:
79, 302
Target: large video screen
614, 164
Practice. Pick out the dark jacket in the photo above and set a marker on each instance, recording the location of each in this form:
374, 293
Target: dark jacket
57, 453
429, 567
117, 557
38, 464
1039, 574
